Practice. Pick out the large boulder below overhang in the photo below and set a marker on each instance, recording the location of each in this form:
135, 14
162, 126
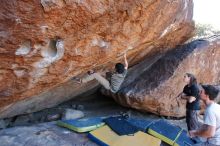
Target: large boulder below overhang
35, 67
154, 86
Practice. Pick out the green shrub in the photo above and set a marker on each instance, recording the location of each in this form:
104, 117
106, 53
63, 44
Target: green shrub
205, 30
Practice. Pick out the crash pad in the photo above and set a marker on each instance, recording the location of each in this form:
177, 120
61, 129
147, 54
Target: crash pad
171, 134
121, 126
184, 139
82, 125
141, 124
164, 131
105, 136
138, 139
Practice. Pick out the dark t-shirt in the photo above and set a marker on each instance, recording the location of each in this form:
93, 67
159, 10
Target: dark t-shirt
192, 90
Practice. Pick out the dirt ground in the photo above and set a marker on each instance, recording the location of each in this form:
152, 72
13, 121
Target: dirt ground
38, 133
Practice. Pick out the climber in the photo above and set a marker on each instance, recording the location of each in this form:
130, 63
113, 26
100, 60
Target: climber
115, 80
191, 95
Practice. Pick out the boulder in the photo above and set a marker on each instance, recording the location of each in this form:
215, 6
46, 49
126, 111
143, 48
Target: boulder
44, 43
72, 114
154, 86
53, 117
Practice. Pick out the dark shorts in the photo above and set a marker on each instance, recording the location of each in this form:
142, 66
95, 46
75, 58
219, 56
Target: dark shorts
192, 119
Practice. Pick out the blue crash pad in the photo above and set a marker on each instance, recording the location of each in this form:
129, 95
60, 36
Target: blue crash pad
169, 133
141, 124
121, 126
184, 140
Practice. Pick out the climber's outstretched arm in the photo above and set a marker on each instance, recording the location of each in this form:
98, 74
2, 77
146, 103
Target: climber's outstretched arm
126, 62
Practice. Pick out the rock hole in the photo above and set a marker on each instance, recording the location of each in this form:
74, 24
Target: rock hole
51, 52
24, 48
51, 49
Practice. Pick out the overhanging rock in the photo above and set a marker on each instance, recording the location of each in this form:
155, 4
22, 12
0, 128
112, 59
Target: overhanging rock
154, 87
44, 43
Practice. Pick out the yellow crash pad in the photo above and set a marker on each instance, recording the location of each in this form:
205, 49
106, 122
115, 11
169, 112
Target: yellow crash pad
105, 135
108, 137
139, 139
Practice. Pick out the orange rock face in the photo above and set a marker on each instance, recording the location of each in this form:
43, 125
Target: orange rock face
43, 43
155, 87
